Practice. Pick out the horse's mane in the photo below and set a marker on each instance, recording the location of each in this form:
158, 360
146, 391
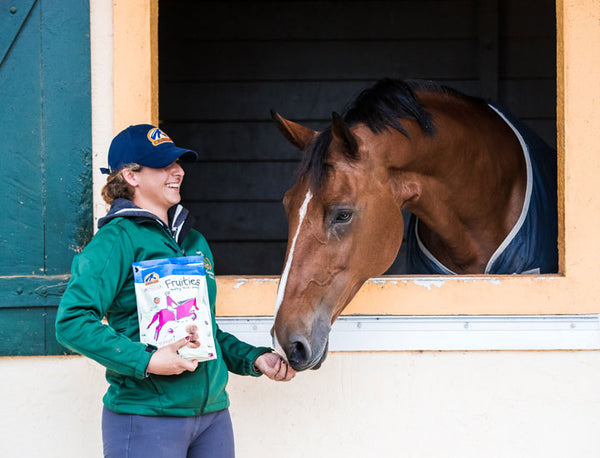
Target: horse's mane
378, 107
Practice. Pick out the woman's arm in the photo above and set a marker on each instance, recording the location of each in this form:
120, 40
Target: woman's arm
97, 275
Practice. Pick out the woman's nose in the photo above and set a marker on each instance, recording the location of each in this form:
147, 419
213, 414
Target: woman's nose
176, 169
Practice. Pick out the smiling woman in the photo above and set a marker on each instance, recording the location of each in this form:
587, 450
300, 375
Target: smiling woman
146, 228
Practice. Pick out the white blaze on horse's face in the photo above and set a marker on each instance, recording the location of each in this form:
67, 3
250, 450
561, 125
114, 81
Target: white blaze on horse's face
286, 270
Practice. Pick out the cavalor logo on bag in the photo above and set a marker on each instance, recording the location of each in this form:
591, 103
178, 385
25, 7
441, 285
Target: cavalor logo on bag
151, 279
157, 136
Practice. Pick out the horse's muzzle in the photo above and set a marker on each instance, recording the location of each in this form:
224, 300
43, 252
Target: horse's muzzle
302, 355
302, 342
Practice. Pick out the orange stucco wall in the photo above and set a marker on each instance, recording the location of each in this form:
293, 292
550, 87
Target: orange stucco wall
135, 62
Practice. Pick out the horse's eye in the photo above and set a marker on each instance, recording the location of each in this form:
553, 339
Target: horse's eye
342, 216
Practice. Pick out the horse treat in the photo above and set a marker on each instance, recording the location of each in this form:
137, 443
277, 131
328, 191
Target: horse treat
171, 297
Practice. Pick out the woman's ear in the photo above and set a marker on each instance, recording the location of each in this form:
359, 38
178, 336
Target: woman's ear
130, 177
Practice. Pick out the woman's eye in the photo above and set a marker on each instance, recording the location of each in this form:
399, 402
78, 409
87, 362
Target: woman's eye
342, 216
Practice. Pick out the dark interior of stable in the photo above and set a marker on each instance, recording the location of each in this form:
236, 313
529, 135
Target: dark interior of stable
223, 65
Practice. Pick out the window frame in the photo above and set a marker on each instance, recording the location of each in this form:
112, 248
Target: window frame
568, 292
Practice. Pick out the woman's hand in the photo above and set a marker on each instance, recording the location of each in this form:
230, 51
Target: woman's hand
166, 360
274, 367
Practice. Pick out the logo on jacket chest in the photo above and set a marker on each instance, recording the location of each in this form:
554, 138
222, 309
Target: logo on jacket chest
208, 267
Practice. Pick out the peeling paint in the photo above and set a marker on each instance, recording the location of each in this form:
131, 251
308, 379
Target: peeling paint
240, 282
381, 281
83, 198
429, 283
267, 280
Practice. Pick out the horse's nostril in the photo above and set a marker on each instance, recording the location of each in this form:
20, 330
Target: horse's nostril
299, 353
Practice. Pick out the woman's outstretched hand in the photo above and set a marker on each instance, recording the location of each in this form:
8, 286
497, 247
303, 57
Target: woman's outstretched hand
274, 367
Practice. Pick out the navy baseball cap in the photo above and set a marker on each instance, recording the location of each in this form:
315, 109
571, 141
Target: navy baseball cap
146, 145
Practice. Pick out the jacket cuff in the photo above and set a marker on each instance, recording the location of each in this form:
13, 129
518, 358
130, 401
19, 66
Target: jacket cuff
141, 370
253, 357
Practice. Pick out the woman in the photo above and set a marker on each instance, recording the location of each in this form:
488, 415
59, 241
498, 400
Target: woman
157, 404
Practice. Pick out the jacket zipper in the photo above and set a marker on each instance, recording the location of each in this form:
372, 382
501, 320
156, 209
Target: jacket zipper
177, 249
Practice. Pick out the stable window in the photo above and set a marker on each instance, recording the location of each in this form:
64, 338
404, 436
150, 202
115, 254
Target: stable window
560, 302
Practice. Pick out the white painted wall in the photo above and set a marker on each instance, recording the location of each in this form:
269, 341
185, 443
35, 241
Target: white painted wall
384, 404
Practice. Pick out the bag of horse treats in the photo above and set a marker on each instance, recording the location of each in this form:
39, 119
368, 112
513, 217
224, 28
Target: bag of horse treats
172, 296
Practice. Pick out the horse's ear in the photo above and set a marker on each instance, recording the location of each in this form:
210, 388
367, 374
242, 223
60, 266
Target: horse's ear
341, 132
298, 135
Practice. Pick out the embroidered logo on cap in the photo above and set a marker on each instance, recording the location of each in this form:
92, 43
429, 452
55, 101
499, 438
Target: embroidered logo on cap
157, 136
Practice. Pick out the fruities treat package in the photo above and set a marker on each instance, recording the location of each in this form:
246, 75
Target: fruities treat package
172, 298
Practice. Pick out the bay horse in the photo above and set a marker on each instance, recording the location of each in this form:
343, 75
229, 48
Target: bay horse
479, 186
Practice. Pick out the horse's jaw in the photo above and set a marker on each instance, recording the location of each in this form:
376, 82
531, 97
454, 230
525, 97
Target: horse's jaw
323, 357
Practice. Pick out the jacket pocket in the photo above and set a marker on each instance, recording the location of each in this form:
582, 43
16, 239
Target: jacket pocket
155, 386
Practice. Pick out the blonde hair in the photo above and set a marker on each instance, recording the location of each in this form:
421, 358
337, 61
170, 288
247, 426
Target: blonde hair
117, 187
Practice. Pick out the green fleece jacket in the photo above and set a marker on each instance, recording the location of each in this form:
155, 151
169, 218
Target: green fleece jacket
102, 285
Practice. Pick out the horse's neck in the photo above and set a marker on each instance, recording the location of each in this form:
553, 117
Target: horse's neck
472, 193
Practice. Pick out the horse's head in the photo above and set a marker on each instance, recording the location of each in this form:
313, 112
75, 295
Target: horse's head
344, 227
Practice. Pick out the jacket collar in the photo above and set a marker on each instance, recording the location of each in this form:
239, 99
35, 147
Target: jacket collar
180, 220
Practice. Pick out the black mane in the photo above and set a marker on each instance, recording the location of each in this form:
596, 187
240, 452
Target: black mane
378, 107
382, 105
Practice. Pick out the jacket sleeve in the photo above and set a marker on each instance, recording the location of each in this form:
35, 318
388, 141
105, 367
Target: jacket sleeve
97, 275
239, 356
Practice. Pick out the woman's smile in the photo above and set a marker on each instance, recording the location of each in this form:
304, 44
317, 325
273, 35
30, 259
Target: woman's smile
157, 190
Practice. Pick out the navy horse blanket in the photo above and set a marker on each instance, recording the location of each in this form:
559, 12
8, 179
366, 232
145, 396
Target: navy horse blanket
531, 246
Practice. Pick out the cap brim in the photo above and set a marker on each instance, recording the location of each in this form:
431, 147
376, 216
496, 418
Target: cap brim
167, 156
189, 156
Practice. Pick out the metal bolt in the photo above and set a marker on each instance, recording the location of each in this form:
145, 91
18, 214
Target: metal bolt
13, 10
19, 290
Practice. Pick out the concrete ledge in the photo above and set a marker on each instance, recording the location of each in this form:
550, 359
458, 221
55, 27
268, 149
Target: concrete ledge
435, 333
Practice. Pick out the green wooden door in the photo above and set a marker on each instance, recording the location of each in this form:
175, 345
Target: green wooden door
45, 164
